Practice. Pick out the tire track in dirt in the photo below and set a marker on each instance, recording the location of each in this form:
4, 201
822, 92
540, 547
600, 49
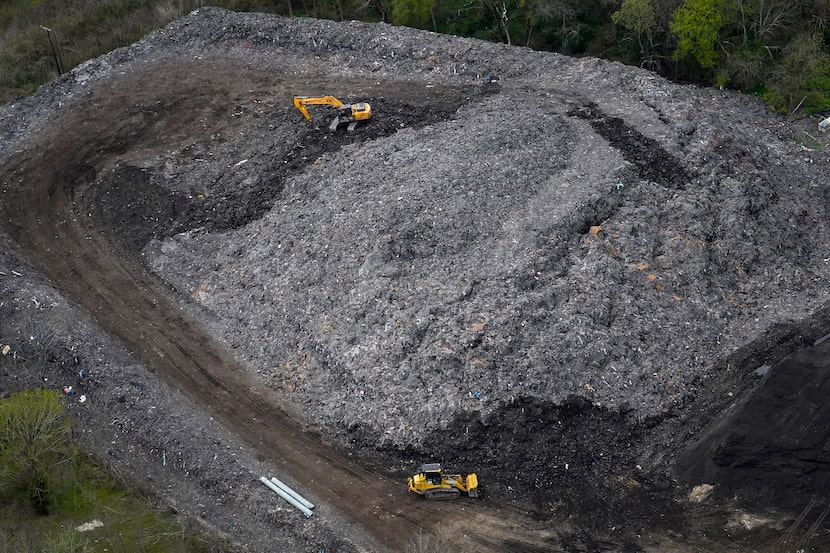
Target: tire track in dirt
49, 186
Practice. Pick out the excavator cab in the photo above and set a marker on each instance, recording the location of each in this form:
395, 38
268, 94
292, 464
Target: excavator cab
360, 111
431, 482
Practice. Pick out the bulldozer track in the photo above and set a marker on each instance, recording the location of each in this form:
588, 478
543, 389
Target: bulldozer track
442, 495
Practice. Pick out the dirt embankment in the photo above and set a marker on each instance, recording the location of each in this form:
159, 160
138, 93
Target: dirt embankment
554, 279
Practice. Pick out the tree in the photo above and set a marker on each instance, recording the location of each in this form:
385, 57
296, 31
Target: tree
501, 16
560, 18
746, 67
638, 17
696, 25
34, 441
413, 13
771, 17
803, 74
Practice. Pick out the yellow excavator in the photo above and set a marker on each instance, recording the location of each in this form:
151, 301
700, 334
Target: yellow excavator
431, 482
346, 113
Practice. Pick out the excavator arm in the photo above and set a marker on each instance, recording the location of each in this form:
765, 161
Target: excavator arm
346, 113
300, 102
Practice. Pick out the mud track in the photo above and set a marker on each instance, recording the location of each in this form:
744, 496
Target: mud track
51, 214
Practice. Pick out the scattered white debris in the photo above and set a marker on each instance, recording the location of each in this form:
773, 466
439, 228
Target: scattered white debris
747, 521
700, 493
824, 125
91, 525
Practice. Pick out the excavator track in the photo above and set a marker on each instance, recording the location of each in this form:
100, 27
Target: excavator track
442, 495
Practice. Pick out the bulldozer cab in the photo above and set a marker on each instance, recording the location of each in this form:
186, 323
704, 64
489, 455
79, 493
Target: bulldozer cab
432, 473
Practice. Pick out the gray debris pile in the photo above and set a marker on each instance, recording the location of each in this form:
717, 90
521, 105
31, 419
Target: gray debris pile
588, 230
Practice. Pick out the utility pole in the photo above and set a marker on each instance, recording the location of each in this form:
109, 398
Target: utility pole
56, 51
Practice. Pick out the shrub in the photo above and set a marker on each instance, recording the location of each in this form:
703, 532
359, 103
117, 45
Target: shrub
34, 442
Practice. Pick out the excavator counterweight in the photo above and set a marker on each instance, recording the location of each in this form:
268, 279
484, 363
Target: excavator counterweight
432, 483
346, 113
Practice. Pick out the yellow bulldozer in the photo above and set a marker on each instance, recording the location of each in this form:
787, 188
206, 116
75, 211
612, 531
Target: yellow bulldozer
346, 113
431, 482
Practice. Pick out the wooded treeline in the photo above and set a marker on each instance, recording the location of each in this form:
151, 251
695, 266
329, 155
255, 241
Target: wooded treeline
778, 49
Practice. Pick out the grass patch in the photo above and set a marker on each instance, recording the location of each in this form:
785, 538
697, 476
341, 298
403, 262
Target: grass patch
49, 491
79, 30
815, 141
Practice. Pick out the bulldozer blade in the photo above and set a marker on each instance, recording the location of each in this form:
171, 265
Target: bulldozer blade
472, 485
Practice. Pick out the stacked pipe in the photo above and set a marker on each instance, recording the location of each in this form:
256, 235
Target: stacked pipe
289, 495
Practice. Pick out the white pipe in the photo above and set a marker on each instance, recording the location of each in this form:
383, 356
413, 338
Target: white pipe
292, 493
305, 510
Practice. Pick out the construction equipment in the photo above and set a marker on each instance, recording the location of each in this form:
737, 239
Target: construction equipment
432, 483
346, 113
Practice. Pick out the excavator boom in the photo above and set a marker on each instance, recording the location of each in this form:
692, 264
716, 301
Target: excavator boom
300, 102
346, 113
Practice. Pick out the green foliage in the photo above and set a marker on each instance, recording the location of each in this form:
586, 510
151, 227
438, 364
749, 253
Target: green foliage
746, 68
80, 30
638, 19
566, 26
802, 75
736, 42
696, 25
637, 16
47, 489
34, 442
413, 13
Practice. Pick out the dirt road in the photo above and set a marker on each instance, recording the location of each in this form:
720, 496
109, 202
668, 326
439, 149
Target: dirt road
51, 218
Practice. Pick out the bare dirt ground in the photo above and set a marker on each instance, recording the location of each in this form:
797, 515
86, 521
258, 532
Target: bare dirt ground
557, 280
